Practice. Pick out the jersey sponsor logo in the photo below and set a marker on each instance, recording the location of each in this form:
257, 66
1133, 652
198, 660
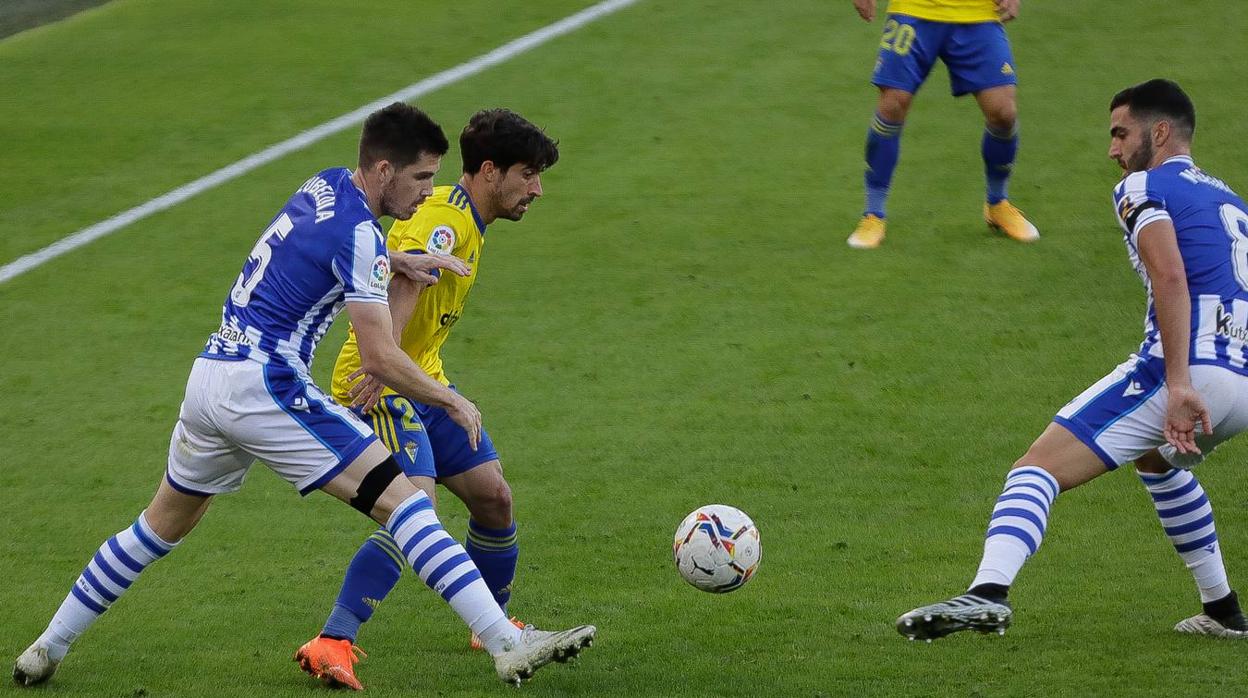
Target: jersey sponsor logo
1133, 388
442, 239
379, 279
1225, 326
233, 334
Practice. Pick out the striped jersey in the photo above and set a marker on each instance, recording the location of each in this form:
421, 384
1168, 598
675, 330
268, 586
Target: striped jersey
323, 249
1211, 225
951, 11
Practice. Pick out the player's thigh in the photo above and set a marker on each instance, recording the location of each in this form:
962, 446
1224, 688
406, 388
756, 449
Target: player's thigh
452, 452
908, 50
203, 459
1061, 454
1225, 394
978, 57
1121, 417
295, 428
399, 427
485, 492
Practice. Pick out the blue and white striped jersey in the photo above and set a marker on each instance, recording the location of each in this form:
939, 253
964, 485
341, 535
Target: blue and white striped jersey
323, 248
1211, 225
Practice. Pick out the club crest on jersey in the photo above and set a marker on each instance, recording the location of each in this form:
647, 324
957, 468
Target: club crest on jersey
442, 239
380, 277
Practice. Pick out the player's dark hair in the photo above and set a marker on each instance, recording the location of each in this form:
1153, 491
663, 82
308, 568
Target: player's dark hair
1159, 99
401, 134
505, 138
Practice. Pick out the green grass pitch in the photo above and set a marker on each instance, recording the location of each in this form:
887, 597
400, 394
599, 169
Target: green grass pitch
677, 322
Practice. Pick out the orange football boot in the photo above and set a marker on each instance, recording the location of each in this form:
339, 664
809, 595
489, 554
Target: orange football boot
330, 661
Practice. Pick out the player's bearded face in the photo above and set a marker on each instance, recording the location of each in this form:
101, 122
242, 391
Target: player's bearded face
408, 187
516, 190
1130, 144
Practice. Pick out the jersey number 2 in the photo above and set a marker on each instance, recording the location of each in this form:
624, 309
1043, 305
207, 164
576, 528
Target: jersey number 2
1236, 223
250, 276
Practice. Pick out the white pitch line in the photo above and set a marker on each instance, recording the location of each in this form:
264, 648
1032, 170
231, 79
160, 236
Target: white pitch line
450, 76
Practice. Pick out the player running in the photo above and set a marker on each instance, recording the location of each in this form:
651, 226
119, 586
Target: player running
968, 36
503, 159
1183, 392
250, 396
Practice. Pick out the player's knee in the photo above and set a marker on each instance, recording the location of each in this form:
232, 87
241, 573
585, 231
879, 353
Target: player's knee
492, 506
1001, 116
1152, 463
894, 105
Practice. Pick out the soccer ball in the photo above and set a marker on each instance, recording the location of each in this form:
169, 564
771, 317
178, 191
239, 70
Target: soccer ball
717, 548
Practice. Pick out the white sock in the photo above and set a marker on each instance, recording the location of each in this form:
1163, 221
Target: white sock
446, 568
1187, 517
1017, 526
114, 568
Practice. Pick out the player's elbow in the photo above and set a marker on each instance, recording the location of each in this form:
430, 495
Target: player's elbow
1168, 277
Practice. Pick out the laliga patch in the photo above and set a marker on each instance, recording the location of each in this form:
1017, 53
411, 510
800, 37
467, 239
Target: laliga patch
379, 279
442, 240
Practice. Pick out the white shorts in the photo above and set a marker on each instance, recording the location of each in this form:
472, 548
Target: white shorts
1122, 416
237, 412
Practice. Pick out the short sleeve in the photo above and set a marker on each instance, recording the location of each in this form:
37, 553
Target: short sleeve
1138, 202
363, 265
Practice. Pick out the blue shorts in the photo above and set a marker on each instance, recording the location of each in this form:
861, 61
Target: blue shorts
425, 440
977, 55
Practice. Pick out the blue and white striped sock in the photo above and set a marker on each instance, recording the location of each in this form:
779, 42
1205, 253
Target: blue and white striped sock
445, 567
1187, 517
1017, 525
114, 568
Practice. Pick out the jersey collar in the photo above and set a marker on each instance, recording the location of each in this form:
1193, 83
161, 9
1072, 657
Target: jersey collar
472, 206
1180, 158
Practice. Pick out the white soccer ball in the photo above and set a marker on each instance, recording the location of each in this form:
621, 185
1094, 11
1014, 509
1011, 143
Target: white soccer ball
717, 548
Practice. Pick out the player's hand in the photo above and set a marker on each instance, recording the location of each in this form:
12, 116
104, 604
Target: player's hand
1185, 410
464, 413
1007, 9
421, 267
366, 393
866, 9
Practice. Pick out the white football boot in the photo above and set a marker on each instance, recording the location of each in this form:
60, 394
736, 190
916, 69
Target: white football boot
537, 648
34, 666
1204, 625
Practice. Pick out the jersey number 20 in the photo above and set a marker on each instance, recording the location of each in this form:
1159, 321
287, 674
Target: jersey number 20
260, 255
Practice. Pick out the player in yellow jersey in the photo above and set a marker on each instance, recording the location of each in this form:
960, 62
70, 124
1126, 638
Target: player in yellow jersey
968, 36
503, 159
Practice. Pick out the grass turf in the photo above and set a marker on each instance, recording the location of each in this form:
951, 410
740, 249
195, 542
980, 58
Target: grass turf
677, 322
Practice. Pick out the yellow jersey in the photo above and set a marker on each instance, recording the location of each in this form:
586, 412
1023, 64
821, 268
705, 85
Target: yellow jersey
446, 223
955, 11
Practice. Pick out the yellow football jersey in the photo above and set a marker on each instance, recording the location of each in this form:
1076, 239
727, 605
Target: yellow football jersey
446, 223
956, 11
